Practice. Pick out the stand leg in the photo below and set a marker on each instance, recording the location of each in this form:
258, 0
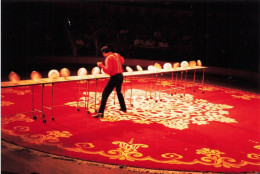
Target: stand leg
171, 84
146, 89
194, 79
88, 96
78, 96
151, 88
85, 94
185, 83
33, 116
160, 87
131, 92
181, 83
43, 115
203, 81
156, 76
176, 81
52, 98
96, 97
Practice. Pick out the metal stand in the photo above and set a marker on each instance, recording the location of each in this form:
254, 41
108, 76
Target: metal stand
50, 108
146, 89
151, 88
33, 109
96, 97
176, 82
172, 84
78, 95
87, 94
160, 87
156, 76
131, 92
52, 98
194, 79
203, 76
181, 85
43, 115
202, 81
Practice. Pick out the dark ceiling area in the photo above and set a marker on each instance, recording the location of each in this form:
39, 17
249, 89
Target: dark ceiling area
221, 33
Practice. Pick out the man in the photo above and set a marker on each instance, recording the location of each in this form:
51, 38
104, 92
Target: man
112, 67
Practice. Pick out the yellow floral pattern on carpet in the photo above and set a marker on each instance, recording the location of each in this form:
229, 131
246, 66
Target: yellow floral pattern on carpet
129, 151
175, 111
125, 151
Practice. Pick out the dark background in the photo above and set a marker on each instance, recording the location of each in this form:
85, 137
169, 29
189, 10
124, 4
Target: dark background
220, 33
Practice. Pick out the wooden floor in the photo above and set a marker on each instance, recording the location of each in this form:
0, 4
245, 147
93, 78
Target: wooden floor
21, 160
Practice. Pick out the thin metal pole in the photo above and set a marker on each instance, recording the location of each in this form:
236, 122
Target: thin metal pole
171, 84
52, 98
194, 79
146, 89
131, 91
85, 94
156, 76
43, 115
181, 83
185, 83
151, 87
203, 81
88, 97
96, 97
78, 95
160, 87
176, 81
33, 116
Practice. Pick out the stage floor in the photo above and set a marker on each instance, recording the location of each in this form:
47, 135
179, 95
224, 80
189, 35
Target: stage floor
23, 158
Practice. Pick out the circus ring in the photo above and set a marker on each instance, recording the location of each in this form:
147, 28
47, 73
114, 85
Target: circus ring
217, 131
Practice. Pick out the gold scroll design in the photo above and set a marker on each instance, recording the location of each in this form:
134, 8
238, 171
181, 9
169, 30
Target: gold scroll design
51, 137
10, 119
12, 91
173, 111
215, 88
209, 88
17, 117
6, 103
246, 96
15, 91
129, 152
242, 95
15, 131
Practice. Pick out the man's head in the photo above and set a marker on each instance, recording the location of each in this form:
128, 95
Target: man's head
105, 50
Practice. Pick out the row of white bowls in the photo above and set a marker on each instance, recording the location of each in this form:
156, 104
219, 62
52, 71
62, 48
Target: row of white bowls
64, 72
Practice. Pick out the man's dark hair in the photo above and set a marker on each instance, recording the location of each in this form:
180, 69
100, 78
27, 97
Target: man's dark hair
105, 49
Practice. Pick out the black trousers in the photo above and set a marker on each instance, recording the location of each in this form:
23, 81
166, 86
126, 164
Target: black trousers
115, 81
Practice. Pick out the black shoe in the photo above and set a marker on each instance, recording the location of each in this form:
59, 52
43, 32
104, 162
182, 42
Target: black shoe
123, 110
101, 115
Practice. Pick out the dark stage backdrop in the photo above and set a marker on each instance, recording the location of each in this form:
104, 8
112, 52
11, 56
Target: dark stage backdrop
222, 34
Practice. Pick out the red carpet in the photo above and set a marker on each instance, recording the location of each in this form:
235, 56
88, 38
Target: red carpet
217, 131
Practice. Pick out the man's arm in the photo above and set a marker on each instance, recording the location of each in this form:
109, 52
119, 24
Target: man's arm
107, 68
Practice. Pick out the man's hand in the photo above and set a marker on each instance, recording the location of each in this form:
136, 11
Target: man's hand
100, 64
